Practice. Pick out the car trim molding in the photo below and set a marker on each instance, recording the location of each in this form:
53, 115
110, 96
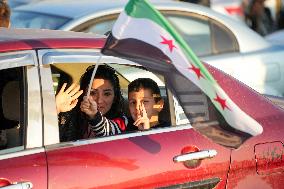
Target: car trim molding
117, 137
208, 183
20, 153
16, 59
78, 56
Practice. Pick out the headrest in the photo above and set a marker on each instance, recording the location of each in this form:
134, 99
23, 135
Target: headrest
11, 101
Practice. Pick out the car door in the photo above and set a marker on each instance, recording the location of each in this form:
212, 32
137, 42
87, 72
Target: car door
269, 68
259, 161
22, 156
149, 159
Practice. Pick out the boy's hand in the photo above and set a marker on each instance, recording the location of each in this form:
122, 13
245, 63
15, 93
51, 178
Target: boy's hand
89, 107
67, 100
142, 122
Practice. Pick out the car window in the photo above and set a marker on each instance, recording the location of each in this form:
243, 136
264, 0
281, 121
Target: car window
205, 36
195, 31
196, 108
223, 39
66, 73
100, 25
12, 114
22, 19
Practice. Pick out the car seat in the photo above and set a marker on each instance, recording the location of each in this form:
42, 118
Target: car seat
11, 113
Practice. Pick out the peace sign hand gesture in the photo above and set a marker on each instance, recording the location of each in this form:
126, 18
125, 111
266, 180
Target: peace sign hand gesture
142, 122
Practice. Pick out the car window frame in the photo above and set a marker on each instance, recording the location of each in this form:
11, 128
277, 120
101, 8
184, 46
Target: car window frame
86, 25
88, 56
32, 115
210, 21
236, 46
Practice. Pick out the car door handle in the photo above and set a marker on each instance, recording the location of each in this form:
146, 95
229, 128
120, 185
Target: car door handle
19, 185
204, 154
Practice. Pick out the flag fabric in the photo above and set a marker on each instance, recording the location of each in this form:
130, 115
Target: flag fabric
141, 32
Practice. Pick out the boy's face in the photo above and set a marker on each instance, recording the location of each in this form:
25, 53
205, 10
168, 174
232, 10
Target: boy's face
146, 97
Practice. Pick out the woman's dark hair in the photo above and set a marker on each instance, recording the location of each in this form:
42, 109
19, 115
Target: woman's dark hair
107, 73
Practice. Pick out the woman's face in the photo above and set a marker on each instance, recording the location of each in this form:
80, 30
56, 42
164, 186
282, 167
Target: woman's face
103, 93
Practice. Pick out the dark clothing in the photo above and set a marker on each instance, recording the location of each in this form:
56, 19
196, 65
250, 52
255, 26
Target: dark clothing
101, 126
68, 129
73, 128
263, 24
161, 124
259, 18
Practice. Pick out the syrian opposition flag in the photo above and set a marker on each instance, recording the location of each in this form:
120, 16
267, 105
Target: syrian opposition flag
142, 33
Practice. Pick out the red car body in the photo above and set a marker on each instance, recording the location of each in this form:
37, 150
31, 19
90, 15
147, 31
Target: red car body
142, 160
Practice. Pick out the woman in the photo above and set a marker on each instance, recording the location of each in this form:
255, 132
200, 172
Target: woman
76, 121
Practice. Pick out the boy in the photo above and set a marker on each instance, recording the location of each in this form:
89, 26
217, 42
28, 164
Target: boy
145, 104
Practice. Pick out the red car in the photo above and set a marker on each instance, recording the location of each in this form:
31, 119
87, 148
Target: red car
199, 154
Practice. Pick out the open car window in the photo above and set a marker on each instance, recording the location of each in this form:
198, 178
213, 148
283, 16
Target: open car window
12, 114
66, 73
197, 109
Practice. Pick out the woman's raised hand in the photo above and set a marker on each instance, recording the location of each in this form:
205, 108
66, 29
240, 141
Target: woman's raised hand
67, 99
89, 106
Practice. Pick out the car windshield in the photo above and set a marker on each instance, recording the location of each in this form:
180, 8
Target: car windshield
21, 19
13, 4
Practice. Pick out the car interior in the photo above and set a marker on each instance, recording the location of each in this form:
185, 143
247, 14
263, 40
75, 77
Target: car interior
11, 114
64, 73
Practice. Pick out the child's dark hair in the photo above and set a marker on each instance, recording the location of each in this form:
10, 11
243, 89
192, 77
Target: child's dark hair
107, 73
5, 13
145, 83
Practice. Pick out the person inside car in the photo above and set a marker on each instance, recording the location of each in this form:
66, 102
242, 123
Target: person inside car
5, 13
145, 103
106, 98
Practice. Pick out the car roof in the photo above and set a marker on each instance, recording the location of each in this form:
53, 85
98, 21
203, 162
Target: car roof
84, 10
74, 8
27, 39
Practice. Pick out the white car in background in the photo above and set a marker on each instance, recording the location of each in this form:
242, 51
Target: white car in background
232, 8
217, 39
15, 3
276, 37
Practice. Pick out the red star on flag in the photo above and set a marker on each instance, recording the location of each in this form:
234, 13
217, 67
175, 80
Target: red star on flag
197, 71
222, 102
169, 43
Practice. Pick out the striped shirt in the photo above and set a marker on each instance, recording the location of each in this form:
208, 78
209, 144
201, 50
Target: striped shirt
101, 126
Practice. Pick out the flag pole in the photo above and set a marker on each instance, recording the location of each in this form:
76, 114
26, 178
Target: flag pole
93, 75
